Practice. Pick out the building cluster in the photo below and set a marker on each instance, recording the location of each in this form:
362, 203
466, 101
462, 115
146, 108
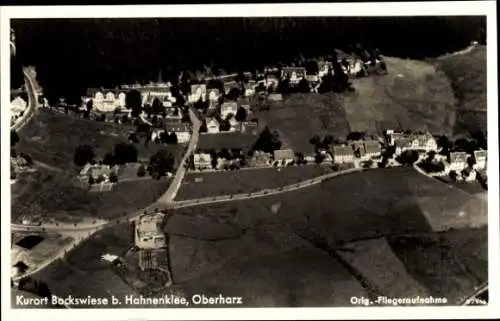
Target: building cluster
465, 166
108, 100
99, 177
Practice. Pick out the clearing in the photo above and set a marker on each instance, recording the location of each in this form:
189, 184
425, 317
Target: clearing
414, 95
467, 74
59, 196
198, 185
301, 116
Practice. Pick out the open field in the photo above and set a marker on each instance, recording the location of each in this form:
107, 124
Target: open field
449, 264
58, 195
414, 95
244, 181
49, 245
467, 74
265, 249
301, 116
52, 138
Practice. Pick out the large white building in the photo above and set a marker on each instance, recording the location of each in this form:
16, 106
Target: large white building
148, 232
17, 106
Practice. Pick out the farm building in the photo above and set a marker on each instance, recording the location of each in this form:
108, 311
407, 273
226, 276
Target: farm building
420, 142
149, 233
285, 156
228, 108
202, 161
343, 154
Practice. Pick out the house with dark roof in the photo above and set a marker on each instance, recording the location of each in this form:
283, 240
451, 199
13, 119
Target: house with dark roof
342, 154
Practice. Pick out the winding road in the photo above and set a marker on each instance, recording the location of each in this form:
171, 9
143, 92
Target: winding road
32, 103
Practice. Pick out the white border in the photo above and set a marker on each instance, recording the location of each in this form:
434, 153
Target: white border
487, 8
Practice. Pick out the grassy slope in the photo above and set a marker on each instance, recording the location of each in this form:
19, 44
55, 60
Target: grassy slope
58, 195
414, 95
271, 250
301, 116
467, 74
244, 181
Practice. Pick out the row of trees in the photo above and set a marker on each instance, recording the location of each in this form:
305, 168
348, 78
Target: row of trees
123, 153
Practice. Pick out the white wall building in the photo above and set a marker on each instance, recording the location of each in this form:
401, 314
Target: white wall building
148, 232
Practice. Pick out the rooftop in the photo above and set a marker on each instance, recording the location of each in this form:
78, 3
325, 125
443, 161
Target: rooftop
343, 150
372, 146
458, 157
283, 154
177, 127
150, 224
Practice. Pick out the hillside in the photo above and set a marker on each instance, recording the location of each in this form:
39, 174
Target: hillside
467, 75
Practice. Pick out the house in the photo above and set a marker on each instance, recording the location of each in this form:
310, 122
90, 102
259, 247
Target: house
149, 233
202, 161
213, 94
420, 142
98, 173
284, 156
249, 89
343, 154
251, 126
212, 125
105, 100
173, 115
372, 148
324, 67
151, 92
198, 91
228, 108
275, 97
480, 157
294, 74
312, 79
260, 159
457, 161
359, 150
181, 130
469, 174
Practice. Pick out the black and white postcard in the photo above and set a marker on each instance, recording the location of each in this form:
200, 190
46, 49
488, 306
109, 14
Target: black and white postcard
202, 161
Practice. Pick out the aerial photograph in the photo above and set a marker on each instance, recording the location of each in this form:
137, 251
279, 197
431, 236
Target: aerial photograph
226, 162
